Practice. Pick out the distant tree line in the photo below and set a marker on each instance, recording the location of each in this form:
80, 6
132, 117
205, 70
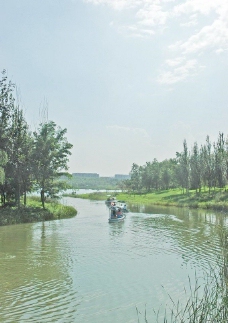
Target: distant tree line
97, 183
28, 160
198, 168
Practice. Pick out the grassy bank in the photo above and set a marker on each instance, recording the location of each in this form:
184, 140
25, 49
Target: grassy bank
33, 212
98, 196
216, 200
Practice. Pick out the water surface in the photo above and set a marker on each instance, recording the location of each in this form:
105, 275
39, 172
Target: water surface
88, 270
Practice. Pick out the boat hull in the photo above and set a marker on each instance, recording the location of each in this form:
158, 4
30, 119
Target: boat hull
113, 220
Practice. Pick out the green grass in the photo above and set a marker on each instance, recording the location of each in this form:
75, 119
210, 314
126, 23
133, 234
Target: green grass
98, 196
33, 212
216, 200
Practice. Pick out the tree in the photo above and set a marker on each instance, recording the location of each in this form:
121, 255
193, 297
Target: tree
195, 166
6, 108
18, 168
183, 169
155, 166
207, 164
3, 160
168, 172
220, 161
147, 180
136, 177
50, 157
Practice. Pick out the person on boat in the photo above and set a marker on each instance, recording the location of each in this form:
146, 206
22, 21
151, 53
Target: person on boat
113, 214
118, 213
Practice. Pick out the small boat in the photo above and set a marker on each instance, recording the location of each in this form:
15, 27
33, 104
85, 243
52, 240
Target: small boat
110, 200
115, 214
122, 205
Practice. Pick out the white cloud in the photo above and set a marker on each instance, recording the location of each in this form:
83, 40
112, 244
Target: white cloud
152, 16
179, 73
201, 6
209, 37
175, 61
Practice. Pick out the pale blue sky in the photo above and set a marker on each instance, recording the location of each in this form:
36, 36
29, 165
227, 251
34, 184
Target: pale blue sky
129, 79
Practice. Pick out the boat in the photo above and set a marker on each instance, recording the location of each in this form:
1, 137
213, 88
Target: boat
122, 205
116, 214
110, 200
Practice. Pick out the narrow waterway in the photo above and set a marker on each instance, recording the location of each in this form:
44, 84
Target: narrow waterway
88, 270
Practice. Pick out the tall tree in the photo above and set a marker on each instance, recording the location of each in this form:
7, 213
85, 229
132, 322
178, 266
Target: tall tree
19, 153
196, 168
156, 174
220, 161
136, 177
6, 109
50, 157
147, 181
208, 164
183, 169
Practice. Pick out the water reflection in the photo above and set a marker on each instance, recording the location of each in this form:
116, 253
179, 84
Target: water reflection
116, 229
194, 234
34, 275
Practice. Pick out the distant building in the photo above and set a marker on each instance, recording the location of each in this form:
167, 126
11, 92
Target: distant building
94, 175
121, 176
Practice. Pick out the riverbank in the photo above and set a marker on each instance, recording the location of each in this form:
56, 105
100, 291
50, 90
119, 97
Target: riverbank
33, 212
216, 200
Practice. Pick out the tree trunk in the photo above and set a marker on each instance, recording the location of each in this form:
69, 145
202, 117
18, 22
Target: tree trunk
25, 198
18, 196
42, 198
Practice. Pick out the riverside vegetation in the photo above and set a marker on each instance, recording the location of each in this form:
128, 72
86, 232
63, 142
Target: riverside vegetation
29, 161
194, 178
216, 200
33, 212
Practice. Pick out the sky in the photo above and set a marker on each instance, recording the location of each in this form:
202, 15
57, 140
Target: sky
129, 79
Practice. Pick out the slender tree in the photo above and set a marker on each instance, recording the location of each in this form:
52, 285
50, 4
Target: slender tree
208, 164
183, 169
136, 177
196, 168
220, 161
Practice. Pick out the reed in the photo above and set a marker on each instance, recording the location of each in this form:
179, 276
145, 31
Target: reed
207, 302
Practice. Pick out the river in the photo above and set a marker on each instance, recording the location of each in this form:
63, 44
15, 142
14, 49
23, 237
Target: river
85, 269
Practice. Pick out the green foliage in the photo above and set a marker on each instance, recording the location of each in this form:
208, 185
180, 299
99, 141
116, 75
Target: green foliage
217, 201
34, 212
97, 196
28, 161
97, 183
56, 209
3, 162
204, 167
50, 157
